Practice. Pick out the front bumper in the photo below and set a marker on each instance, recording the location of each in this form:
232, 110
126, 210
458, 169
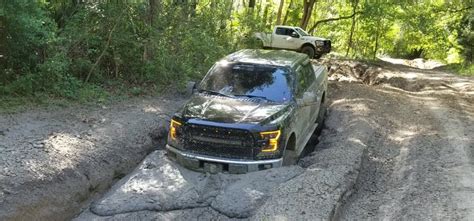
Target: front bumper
324, 48
216, 164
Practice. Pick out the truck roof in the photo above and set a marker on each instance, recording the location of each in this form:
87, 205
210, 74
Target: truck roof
268, 57
286, 26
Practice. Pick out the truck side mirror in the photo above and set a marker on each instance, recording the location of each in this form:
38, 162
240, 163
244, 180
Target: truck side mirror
294, 35
307, 99
191, 88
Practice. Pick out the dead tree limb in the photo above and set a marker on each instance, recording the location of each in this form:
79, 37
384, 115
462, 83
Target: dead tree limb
109, 39
331, 20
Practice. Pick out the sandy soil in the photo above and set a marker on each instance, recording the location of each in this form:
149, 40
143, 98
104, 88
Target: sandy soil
397, 144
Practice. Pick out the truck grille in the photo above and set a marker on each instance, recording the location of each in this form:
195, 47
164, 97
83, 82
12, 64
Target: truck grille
219, 142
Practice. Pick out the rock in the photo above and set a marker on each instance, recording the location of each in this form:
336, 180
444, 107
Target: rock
37, 144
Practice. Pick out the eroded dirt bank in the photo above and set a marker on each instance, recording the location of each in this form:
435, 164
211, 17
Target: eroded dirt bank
53, 160
397, 145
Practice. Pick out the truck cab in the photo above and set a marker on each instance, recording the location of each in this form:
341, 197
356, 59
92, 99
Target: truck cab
296, 39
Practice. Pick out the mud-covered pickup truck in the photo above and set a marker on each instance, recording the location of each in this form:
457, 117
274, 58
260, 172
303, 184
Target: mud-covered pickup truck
254, 110
296, 39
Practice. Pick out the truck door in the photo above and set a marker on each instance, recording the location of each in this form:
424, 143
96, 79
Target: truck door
303, 113
313, 87
282, 39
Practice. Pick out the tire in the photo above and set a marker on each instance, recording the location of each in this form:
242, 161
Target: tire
262, 45
320, 119
308, 50
311, 145
289, 157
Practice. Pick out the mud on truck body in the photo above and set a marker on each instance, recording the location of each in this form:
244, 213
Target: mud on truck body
254, 110
295, 39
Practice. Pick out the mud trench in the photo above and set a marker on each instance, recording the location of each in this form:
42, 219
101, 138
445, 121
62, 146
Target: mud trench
397, 144
161, 189
385, 151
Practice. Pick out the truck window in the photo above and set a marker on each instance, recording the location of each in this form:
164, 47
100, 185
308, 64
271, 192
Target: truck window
271, 82
284, 31
305, 77
301, 32
301, 82
309, 74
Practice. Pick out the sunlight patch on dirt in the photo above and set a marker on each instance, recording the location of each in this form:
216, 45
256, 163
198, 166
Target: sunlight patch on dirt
415, 63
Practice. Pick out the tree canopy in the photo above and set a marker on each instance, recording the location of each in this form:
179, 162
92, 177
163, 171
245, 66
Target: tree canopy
61, 47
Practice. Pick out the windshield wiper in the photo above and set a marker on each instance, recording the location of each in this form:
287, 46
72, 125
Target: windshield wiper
251, 96
214, 93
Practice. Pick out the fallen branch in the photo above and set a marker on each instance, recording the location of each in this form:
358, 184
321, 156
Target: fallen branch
332, 19
109, 38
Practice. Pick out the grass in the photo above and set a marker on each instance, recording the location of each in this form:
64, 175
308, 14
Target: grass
460, 69
89, 95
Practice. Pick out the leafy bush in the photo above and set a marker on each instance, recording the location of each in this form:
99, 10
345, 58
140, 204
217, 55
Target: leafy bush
90, 49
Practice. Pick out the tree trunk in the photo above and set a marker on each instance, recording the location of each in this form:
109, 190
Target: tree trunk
376, 47
153, 8
251, 3
280, 9
349, 42
265, 14
3, 40
307, 11
287, 12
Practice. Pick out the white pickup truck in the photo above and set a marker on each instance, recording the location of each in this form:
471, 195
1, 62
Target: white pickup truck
296, 39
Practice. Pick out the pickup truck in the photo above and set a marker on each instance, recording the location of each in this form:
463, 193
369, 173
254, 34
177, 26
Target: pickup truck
254, 110
296, 39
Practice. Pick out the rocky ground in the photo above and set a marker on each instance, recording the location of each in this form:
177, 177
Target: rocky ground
398, 144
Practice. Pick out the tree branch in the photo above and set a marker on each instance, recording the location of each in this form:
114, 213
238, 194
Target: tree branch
332, 19
459, 10
109, 38
453, 10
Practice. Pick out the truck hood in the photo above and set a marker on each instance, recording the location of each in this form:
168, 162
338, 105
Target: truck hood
230, 110
313, 38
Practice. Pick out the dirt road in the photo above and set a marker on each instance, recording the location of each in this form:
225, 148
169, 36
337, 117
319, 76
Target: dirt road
419, 163
398, 144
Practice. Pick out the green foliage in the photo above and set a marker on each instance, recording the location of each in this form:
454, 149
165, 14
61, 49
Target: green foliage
90, 50
466, 36
28, 32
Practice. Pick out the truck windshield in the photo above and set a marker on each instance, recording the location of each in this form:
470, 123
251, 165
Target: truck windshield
301, 32
271, 83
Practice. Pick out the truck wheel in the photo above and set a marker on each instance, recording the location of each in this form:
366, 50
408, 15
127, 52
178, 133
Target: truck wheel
262, 45
320, 119
308, 50
289, 156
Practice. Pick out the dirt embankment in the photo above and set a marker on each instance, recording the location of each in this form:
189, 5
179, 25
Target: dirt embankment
53, 160
397, 144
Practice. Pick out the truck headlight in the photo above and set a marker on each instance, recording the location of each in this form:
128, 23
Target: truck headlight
174, 126
319, 43
271, 138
